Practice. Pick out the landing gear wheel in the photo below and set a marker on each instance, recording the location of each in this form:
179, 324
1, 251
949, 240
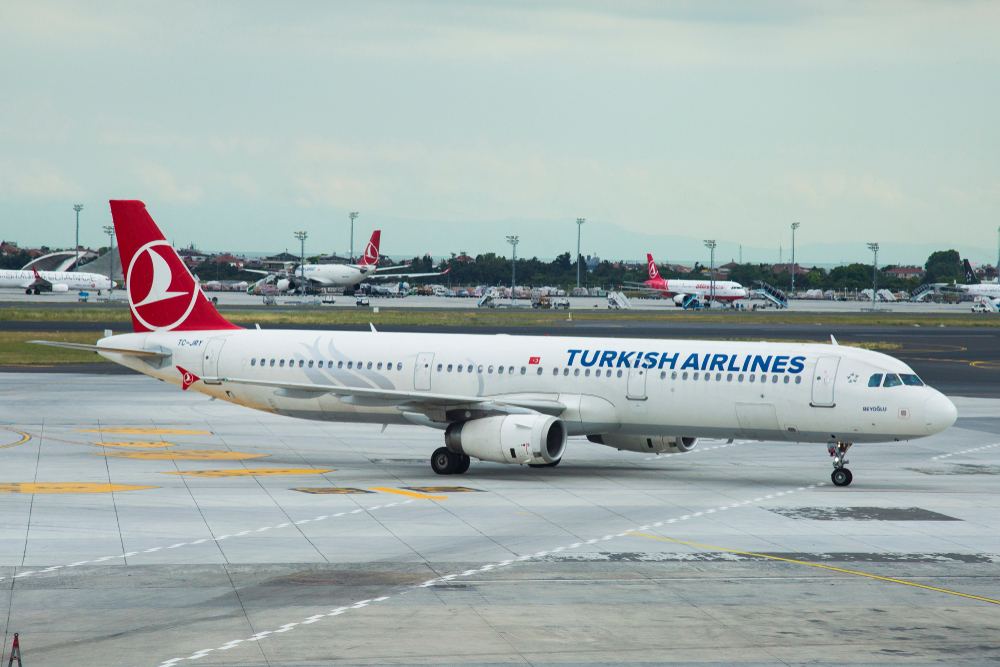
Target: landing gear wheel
842, 477
463, 465
443, 462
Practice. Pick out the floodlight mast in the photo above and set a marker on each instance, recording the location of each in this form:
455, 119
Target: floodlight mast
795, 225
874, 248
110, 231
77, 208
353, 214
301, 236
579, 226
513, 241
710, 244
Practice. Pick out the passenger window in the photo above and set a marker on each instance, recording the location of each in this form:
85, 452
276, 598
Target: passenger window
459, 368
751, 377
253, 362
399, 365
272, 362
798, 379
911, 380
718, 377
684, 375
281, 364
891, 380
350, 364
490, 370
729, 378
449, 368
468, 369
310, 363
539, 370
694, 377
379, 367
774, 379
576, 372
369, 365
587, 372
739, 378
340, 364
439, 368
510, 370
619, 373
786, 379
673, 376
480, 368
875, 380
555, 371
302, 362
663, 375
523, 369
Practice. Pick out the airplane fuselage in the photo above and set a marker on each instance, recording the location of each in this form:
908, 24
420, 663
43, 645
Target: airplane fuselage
69, 279
639, 387
725, 290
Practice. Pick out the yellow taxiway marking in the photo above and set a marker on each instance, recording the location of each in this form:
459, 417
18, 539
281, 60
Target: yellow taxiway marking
25, 437
69, 487
145, 445
138, 430
250, 472
406, 493
338, 490
183, 455
824, 567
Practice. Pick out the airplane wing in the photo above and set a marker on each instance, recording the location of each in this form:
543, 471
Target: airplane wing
156, 354
390, 268
413, 400
261, 272
39, 281
409, 275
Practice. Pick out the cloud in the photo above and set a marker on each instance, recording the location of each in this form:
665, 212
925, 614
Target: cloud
35, 180
162, 184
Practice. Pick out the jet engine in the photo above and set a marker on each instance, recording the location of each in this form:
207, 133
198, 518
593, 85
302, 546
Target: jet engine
679, 299
656, 444
60, 288
283, 285
532, 439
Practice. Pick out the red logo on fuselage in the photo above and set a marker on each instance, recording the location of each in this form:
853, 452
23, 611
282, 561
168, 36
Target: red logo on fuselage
160, 289
187, 378
535, 360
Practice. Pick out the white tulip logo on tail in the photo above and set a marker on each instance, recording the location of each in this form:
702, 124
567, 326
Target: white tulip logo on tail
371, 254
155, 280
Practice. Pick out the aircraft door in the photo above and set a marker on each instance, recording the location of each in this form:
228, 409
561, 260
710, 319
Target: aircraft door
824, 376
210, 360
636, 387
422, 371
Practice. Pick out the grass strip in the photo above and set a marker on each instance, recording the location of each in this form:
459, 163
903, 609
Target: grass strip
15, 350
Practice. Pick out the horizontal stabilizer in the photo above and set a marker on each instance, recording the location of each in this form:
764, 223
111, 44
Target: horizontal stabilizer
153, 354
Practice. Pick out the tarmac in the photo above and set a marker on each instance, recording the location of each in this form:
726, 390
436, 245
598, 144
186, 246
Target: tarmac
143, 525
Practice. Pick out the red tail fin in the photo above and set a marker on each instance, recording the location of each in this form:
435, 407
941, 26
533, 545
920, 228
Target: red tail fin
162, 294
371, 251
653, 273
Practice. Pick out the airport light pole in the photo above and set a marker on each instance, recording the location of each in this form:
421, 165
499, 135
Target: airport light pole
354, 214
795, 225
77, 208
874, 248
301, 236
513, 241
710, 244
110, 231
579, 226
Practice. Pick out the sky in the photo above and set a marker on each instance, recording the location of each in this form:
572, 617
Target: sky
450, 125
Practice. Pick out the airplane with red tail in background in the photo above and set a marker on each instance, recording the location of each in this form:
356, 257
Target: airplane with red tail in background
684, 291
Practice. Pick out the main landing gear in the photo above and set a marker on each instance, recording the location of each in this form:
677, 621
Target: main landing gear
841, 476
446, 462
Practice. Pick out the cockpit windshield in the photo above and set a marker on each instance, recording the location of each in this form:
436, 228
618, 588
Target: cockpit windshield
911, 380
892, 380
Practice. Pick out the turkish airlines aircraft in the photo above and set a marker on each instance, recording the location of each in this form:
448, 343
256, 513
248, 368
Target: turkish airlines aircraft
683, 290
514, 399
341, 275
52, 281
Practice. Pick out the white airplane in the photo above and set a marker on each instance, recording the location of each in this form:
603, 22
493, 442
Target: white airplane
514, 399
974, 287
35, 281
337, 275
683, 291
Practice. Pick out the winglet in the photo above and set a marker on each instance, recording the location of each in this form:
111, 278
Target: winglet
373, 327
188, 378
833, 341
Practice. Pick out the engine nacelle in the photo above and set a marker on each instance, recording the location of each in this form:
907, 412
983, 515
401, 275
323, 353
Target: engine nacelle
283, 285
537, 439
679, 299
656, 444
60, 287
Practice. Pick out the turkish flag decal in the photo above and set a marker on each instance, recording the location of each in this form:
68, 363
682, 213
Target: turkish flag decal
534, 360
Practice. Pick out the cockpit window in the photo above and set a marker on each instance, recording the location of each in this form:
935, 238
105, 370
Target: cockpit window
875, 380
911, 380
891, 380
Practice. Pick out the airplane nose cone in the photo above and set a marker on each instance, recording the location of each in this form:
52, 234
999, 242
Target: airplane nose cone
939, 413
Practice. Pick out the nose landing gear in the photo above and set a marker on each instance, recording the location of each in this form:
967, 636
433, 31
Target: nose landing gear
841, 476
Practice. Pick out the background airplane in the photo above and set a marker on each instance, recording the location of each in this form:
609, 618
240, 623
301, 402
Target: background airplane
317, 276
35, 281
683, 291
